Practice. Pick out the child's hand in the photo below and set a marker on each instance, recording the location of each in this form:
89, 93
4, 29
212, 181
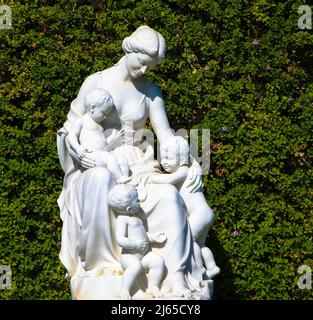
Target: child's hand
115, 136
160, 238
141, 244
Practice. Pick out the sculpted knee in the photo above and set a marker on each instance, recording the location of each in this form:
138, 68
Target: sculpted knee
101, 174
206, 214
156, 261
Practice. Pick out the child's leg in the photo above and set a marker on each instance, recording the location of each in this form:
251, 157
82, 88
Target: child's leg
132, 269
110, 162
155, 265
197, 253
208, 259
200, 219
201, 216
123, 163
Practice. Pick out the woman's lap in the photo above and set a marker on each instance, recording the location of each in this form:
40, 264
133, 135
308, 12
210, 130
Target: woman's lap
97, 245
165, 213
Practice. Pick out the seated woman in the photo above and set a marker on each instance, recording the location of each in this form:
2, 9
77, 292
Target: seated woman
88, 234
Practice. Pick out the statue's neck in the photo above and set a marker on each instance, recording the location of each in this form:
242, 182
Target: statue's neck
121, 70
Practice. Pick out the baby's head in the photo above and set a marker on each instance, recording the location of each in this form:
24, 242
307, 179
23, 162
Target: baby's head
123, 199
98, 103
174, 153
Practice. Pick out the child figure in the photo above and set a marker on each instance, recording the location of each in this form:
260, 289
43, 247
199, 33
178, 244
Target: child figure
132, 237
87, 134
174, 160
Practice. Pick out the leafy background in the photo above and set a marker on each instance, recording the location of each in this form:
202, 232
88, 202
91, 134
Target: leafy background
241, 68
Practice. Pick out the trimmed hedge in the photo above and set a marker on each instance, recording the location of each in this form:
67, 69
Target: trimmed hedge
241, 68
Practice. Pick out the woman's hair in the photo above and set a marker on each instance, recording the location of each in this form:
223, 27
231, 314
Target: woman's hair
180, 146
98, 97
146, 40
121, 196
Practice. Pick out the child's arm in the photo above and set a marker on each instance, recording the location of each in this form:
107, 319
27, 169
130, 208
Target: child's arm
121, 236
73, 136
114, 139
170, 178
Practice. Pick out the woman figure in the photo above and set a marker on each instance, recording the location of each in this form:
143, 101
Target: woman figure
88, 239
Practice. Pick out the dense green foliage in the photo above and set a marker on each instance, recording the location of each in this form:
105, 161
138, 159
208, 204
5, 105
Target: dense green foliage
240, 65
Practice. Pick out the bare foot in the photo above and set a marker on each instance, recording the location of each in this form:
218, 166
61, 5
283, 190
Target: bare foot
166, 289
155, 291
213, 272
125, 295
181, 290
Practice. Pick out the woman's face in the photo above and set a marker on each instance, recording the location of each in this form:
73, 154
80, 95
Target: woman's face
138, 64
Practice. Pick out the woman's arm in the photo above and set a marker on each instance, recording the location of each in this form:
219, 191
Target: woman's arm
158, 116
160, 125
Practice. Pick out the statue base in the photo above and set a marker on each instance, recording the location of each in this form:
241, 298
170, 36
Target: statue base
107, 287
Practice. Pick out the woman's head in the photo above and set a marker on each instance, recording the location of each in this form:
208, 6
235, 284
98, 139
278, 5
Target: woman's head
144, 49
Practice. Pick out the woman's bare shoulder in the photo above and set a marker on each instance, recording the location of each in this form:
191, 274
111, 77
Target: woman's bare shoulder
92, 80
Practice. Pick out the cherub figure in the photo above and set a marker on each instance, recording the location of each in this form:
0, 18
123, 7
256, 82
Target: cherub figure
87, 134
132, 237
174, 160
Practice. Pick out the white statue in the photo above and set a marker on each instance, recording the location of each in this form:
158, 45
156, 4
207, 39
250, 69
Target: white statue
132, 237
90, 250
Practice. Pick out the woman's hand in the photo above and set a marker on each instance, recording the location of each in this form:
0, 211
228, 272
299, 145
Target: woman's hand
194, 178
88, 161
83, 156
81, 152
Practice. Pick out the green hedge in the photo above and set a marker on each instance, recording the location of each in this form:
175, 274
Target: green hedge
240, 65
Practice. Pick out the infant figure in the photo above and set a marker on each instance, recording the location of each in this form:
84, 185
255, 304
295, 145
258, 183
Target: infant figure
131, 236
174, 160
87, 135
